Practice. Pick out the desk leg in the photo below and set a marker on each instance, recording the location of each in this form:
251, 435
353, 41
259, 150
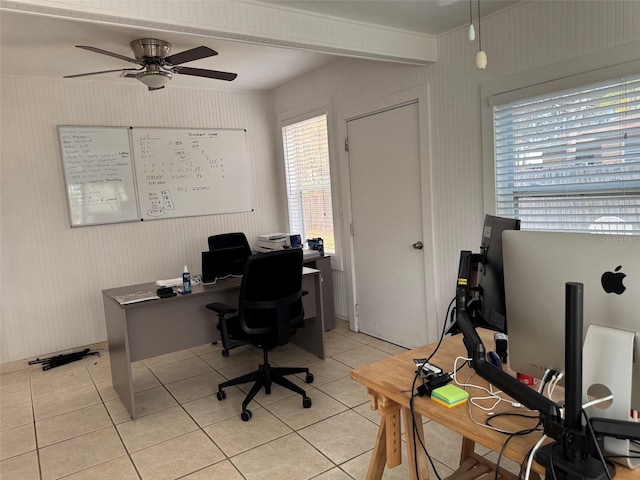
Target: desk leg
468, 447
379, 456
391, 419
119, 355
475, 467
420, 457
311, 336
387, 450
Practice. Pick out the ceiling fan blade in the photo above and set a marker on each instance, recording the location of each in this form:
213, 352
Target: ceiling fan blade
98, 73
190, 55
151, 89
201, 72
111, 54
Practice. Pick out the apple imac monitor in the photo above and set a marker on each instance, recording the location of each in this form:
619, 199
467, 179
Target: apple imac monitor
490, 278
537, 265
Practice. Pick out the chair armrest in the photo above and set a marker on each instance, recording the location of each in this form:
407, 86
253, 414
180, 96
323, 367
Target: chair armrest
221, 308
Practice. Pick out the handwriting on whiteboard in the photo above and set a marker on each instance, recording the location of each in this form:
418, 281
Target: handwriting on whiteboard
177, 168
95, 174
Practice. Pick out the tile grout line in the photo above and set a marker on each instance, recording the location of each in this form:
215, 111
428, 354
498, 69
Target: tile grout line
201, 428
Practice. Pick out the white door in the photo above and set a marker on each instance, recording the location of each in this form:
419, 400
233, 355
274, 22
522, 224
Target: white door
385, 184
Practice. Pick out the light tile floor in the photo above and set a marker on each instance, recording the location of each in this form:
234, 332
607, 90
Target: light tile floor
69, 422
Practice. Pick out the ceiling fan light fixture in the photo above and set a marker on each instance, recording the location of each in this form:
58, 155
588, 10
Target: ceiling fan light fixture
154, 78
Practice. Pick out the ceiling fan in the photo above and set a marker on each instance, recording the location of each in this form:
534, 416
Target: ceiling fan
156, 67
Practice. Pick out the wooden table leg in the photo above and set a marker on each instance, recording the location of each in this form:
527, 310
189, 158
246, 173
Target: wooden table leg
476, 467
420, 457
379, 456
468, 447
387, 450
393, 441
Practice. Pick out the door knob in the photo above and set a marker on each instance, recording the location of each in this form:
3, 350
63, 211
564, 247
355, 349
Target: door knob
418, 245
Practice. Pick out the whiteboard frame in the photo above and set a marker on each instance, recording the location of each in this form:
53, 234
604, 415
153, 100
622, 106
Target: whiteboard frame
128, 217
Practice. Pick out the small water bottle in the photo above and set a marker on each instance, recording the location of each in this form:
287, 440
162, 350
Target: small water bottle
186, 281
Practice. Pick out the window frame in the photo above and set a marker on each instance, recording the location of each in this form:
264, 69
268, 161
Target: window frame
585, 70
323, 107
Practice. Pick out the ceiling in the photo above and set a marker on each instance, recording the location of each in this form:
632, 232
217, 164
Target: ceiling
43, 46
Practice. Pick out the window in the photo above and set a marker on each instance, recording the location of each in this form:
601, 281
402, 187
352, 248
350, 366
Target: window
570, 160
306, 155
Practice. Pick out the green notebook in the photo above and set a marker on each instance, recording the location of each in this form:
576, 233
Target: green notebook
450, 394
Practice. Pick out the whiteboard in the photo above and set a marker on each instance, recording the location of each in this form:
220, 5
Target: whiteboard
98, 173
189, 172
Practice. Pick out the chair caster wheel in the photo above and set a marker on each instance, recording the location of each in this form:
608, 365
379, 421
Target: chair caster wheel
309, 378
225, 353
221, 395
306, 402
245, 415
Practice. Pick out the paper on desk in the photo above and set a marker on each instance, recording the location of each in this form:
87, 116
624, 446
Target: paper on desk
136, 297
172, 282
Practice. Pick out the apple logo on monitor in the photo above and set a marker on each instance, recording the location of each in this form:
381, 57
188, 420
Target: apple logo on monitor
612, 282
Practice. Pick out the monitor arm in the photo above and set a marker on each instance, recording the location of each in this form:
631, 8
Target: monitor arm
577, 457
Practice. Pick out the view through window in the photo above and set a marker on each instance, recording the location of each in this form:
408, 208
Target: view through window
570, 161
306, 156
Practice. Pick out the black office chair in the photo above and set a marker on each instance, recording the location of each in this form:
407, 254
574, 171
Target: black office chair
227, 240
219, 242
270, 310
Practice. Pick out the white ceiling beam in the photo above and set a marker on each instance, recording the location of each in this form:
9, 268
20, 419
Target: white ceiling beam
247, 21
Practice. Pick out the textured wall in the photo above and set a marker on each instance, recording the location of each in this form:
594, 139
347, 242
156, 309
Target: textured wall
532, 35
52, 275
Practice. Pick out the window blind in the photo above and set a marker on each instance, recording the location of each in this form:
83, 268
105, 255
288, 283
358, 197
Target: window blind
306, 156
570, 160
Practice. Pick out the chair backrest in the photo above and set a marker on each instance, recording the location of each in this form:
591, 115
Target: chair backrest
270, 304
227, 240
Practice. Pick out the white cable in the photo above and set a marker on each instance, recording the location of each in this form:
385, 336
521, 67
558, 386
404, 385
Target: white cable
532, 454
597, 401
539, 442
553, 383
492, 394
544, 378
496, 399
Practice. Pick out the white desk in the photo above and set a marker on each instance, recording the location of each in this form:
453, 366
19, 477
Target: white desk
142, 330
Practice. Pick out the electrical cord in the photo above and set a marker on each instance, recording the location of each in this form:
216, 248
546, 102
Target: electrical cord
525, 431
553, 468
533, 453
552, 384
549, 374
593, 434
444, 329
456, 370
504, 446
197, 279
524, 461
492, 395
512, 435
414, 429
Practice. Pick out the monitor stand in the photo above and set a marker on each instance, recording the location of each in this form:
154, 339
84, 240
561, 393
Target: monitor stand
570, 458
608, 370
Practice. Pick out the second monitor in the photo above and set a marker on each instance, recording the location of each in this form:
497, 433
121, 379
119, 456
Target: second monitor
221, 263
